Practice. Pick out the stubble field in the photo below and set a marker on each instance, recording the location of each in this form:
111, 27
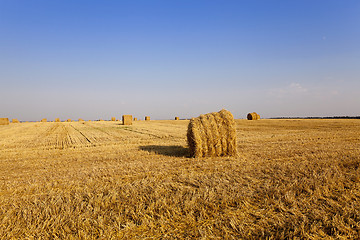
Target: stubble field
91, 180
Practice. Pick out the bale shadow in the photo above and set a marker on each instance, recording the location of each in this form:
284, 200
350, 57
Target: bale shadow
171, 151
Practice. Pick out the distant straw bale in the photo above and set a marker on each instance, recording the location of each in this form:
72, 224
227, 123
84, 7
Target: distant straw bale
81, 120
4, 121
176, 118
127, 119
253, 116
43, 120
135, 119
69, 120
113, 119
14, 120
147, 118
212, 134
57, 119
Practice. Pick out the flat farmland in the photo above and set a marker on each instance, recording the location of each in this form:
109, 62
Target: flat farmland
91, 180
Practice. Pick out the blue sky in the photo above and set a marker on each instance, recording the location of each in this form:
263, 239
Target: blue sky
98, 59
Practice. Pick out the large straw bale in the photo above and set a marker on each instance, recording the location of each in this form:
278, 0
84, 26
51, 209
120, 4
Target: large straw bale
147, 118
14, 120
113, 119
127, 119
176, 118
43, 120
212, 134
253, 116
4, 121
57, 119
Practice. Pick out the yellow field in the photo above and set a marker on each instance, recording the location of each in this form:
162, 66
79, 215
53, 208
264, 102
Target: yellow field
90, 180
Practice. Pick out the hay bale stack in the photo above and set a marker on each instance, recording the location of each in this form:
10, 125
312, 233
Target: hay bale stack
212, 134
253, 116
127, 119
176, 118
147, 118
4, 121
57, 119
43, 120
14, 120
113, 119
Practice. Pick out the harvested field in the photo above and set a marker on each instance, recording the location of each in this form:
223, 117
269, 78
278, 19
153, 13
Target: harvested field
101, 180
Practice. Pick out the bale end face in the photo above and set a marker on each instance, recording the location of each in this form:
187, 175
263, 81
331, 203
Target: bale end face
212, 134
127, 119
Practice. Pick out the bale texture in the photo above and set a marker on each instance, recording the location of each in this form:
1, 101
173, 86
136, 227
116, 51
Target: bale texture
57, 119
4, 121
253, 116
147, 118
127, 119
113, 119
14, 120
43, 120
176, 118
212, 134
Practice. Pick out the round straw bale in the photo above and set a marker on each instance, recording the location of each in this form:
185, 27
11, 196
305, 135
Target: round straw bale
113, 119
4, 121
43, 120
253, 116
147, 118
176, 118
14, 120
212, 134
57, 119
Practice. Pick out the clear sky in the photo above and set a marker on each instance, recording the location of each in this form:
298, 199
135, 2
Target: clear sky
97, 59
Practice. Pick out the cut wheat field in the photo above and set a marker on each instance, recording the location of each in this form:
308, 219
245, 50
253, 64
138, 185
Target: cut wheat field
103, 180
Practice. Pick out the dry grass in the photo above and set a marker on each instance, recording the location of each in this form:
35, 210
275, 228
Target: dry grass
212, 134
127, 119
4, 121
101, 180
